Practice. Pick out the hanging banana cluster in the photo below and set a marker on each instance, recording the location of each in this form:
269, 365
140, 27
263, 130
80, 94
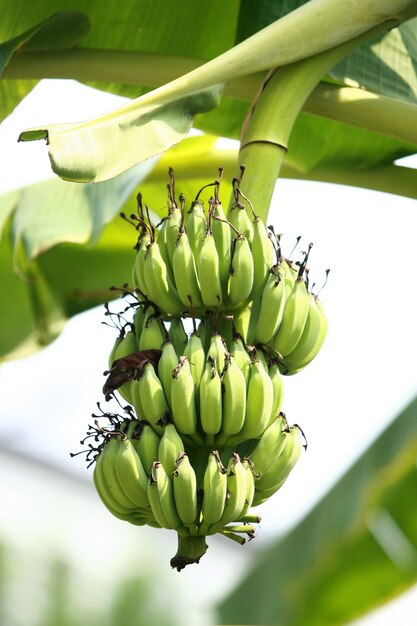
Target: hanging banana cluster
205, 439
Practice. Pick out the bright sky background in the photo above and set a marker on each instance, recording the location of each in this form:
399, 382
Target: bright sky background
363, 377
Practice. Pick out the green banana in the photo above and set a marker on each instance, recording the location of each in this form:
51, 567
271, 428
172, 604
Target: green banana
146, 444
172, 232
293, 320
246, 319
276, 474
241, 356
137, 399
196, 227
138, 272
131, 474
223, 240
269, 446
210, 398
185, 490
234, 398
259, 402
177, 335
236, 493
278, 387
312, 339
183, 407
272, 306
263, 254
194, 351
155, 406
139, 322
160, 288
161, 497
250, 488
238, 216
106, 495
109, 455
209, 271
214, 490
128, 345
218, 351
185, 273
153, 333
170, 447
167, 363
241, 271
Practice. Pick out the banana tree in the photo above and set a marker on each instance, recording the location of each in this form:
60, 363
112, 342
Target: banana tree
317, 90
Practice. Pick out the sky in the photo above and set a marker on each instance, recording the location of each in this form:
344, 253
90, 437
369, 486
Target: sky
364, 375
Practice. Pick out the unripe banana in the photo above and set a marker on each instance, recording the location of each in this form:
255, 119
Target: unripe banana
293, 320
236, 493
241, 272
138, 272
312, 339
170, 447
209, 272
241, 356
204, 331
246, 320
278, 387
218, 350
272, 307
185, 490
131, 474
215, 489
160, 287
183, 398
269, 446
223, 240
146, 444
109, 455
194, 351
250, 487
139, 322
263, 254
178, 336
211, 398
279, 470
137, 399
161, 497
153, 333
153, 399
196, 227
167, 363
238, 216
112, 355
185, 273
291, 275
106, 495
173, 227
128, 345
258, 403
234, 398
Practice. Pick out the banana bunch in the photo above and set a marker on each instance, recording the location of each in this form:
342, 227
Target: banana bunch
287, 320
215, 392
197, 261
203, 438
145, 479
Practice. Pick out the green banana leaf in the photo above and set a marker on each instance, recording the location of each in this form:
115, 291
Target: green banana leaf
133, 64
354, 551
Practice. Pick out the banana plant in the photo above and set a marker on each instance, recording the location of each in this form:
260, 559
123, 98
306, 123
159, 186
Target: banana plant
322, 90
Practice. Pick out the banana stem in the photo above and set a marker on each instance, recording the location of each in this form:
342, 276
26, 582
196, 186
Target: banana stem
272, 116
190, 550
